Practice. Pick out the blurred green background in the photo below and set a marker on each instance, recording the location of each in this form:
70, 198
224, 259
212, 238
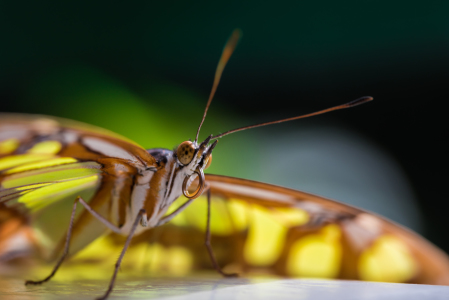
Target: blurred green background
144, 69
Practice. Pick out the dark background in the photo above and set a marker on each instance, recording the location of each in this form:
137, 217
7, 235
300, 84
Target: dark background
106, 63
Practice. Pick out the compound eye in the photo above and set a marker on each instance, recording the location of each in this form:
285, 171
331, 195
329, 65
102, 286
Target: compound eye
208, 161
185, 152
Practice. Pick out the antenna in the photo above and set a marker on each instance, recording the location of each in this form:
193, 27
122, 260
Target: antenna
347, 105
227, 52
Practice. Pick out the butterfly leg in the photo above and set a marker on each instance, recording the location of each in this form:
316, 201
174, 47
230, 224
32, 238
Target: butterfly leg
166, 219
208, 244
68, 236
119, 261
64, 254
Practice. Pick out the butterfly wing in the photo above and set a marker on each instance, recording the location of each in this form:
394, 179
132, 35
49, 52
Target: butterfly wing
363, 245
46, 162
262, 228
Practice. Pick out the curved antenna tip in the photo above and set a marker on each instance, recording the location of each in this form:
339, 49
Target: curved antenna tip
237, 32
359, 101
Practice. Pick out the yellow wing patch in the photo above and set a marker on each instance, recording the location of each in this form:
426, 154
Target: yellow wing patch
156, 258
56, 175
290, 216
9, 194
42, 164
316, 255
265, 238
39, 152
175, 260
17, 160
388, 259
239, 211
47, 147
47, 195
267, 232
220, 222
267, 228
196, 215
39, 180
8, 146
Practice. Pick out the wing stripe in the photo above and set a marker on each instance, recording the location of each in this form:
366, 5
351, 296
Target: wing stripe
42, 164
47, 195
16, 160
47, 147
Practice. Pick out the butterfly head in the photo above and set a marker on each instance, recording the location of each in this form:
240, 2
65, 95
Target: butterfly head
193, 155
194, 158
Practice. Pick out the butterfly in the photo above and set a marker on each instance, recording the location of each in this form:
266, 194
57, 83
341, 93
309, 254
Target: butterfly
121, 188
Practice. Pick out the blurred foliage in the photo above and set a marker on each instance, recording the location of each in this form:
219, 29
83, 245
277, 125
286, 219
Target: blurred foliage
160, 115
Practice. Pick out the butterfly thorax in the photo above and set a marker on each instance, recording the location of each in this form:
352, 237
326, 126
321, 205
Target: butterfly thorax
150, 191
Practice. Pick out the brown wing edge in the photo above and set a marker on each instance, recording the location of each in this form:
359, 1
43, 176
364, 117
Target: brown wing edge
26, 126
19, 118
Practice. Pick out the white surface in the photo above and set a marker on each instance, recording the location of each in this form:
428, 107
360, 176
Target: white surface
320, 289
216, 288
